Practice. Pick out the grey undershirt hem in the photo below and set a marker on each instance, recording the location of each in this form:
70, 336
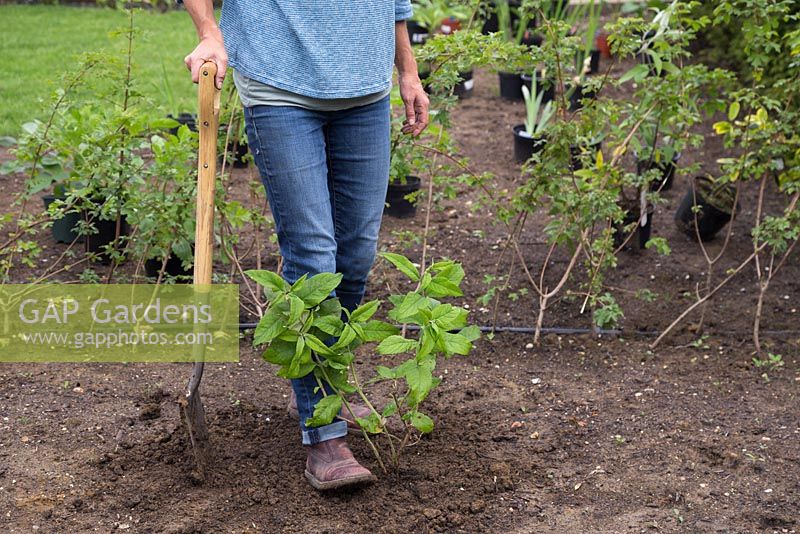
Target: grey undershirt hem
254, 93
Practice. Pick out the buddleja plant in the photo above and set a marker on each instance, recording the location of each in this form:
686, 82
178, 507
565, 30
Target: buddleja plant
307, 331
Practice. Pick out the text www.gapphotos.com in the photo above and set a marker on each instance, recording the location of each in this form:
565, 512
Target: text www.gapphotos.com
98, 340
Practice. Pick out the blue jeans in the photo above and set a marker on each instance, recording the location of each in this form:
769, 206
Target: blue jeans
326, 175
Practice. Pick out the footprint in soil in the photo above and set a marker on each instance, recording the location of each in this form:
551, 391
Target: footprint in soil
149, 412
768, 521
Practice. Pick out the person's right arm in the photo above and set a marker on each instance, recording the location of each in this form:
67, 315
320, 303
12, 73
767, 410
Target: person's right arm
211, 47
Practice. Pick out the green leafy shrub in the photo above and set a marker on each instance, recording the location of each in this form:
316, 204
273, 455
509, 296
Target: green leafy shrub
307, 331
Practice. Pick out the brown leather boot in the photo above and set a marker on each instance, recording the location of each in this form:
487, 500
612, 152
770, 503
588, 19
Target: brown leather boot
331, 465
359, 410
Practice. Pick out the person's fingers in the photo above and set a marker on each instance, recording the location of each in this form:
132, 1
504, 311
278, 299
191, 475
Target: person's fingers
422, 113
195, 68
411, 116
188, 62
222, 68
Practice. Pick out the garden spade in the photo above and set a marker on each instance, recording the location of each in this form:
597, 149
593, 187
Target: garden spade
191, 405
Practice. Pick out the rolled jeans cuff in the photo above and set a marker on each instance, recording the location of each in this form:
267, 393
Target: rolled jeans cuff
312, 436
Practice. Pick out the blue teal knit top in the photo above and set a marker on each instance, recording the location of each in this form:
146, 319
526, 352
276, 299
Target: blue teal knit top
316, 48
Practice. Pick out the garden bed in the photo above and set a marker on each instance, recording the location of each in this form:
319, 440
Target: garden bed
582, 434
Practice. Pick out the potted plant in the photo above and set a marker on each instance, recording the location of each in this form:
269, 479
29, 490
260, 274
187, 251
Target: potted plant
633, 216
404, 185
438, 16
706, 208
44, 166
513, 29
528, 137
65, 223
590, 149
656, 159
434, 16
544, 85
588, 56
578, 91
163, 208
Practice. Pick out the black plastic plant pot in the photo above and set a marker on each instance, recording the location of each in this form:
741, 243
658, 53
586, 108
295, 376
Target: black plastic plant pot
189, 119
646, 59
594, 61
576, 152
643, 232
416, 33
490, 25
709, 219
646, 230
532, 39
173, 267
397, 205
577, 97
549, 89
510, 85
106, 233
236, 157
667, 169
464, 88
64, 229
525, 146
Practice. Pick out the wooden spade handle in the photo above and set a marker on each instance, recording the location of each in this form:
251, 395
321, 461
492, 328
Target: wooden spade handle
208, 111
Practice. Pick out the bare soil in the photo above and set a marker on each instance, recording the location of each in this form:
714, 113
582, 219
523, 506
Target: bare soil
581, 434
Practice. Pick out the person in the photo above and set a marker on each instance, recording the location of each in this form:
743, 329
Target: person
314, 79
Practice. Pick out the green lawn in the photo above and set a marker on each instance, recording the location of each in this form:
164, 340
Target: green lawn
39, 43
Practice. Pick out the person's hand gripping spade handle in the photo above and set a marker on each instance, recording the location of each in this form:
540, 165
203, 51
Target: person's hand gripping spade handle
211, 47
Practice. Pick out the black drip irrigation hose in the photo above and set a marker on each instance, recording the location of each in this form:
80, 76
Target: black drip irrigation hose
563, 331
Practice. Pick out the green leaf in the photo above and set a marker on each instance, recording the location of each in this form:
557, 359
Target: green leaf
336, 378
456, 344
427, 342
403, 264
299, 283
396, 345
325, 411
450, 270
301, 364
269, 280
408, 307
449, 317
441, 286
733, 111
279, 352
269, 327
422, 422
365, 311
347, 337
389, 410
371, 424
7, 142
657, 63
330, 307
420, 378
331, 325
471, 333
386, 372
722, 127
296, 308
318, 288
637, 73
318, 346
377, 331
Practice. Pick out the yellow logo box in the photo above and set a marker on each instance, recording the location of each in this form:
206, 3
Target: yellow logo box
119, 323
